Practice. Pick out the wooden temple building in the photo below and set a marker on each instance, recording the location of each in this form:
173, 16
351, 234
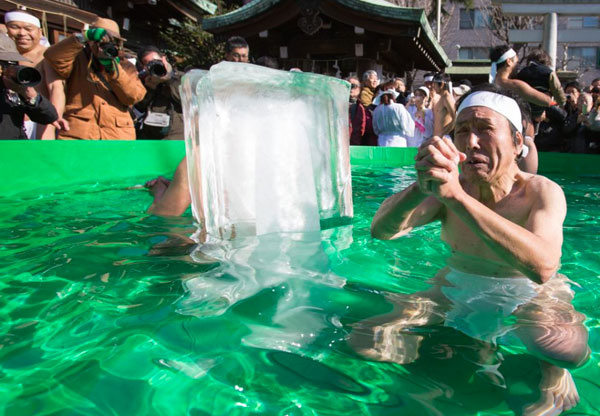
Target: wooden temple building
335, 37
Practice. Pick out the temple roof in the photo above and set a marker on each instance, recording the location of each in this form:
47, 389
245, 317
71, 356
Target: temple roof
377, 16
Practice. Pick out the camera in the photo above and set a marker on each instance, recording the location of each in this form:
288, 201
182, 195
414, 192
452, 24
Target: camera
22, 75
110, 50
155, 68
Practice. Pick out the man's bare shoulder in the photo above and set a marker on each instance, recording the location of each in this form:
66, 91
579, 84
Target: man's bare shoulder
538, 186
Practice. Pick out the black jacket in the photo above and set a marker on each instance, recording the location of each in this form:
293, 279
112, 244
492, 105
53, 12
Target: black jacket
14, 109
164, 99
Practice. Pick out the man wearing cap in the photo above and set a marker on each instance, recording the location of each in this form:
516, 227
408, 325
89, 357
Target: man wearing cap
100, 86
18, 100
504, 231
25, 30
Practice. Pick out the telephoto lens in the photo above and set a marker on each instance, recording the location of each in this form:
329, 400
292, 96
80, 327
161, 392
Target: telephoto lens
156, 68
23, 75
110, 50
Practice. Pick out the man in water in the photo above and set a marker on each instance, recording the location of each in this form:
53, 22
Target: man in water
173, 198
504, 229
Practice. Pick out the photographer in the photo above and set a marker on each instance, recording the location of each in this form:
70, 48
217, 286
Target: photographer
19, 96
100, 86
159, 114
25, 30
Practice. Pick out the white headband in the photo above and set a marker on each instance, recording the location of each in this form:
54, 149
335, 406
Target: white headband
428, 78
21, 17
494, 69
499, 103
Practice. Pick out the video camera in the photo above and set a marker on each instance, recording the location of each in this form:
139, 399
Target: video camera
22, 75
155, 68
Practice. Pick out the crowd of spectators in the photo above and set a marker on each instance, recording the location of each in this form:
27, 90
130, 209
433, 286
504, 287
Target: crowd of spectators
86, 87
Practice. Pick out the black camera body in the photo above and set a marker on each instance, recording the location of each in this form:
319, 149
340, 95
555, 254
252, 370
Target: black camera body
22, 75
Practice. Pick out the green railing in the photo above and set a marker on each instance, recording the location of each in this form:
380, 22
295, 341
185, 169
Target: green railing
30, 165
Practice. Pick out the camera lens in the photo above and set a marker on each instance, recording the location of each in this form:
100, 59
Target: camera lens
156, 68
110, 50
23, 75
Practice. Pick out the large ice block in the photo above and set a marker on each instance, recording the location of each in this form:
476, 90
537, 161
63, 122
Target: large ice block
267, 150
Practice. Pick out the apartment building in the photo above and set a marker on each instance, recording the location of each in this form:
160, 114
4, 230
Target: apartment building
469, 33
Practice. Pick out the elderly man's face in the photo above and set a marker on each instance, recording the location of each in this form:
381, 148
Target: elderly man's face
25, 35
486, 138
237, 55
372, 81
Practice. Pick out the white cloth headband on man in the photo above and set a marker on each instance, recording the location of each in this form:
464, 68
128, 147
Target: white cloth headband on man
494, 69
499, 103
22, 17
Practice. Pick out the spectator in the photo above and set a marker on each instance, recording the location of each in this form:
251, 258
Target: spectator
160, 112
25, 29
100, 87
400, 88
370, 82
595, 84
422, 116
460, 90
444, 112
237, 49
574, 126
17, 99
391, 121
357, 113
267, 61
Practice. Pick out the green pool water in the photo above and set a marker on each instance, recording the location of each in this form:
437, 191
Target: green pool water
107, 311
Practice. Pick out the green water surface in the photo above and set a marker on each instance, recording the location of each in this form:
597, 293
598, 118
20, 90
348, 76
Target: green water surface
107, 311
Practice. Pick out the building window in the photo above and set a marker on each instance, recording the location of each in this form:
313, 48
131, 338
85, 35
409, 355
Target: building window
474, 19
473, 53
583, 22
586, 56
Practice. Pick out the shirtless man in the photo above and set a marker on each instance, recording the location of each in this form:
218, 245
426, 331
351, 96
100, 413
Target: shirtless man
504, 227
428, 82
25, 30
444, 112
504, 65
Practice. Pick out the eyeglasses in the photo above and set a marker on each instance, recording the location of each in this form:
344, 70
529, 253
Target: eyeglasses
355, 86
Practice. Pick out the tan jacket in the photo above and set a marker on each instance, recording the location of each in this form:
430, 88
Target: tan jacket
93, 111
366, 96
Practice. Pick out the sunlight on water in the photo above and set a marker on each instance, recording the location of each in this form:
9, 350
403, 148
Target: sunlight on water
106, 310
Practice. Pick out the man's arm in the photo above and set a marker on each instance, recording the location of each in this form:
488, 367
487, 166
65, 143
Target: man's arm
56, 94
527, 92
402, 212
176, 199
61, 56
126, 84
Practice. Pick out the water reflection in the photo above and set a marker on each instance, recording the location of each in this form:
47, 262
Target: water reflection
492, 312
